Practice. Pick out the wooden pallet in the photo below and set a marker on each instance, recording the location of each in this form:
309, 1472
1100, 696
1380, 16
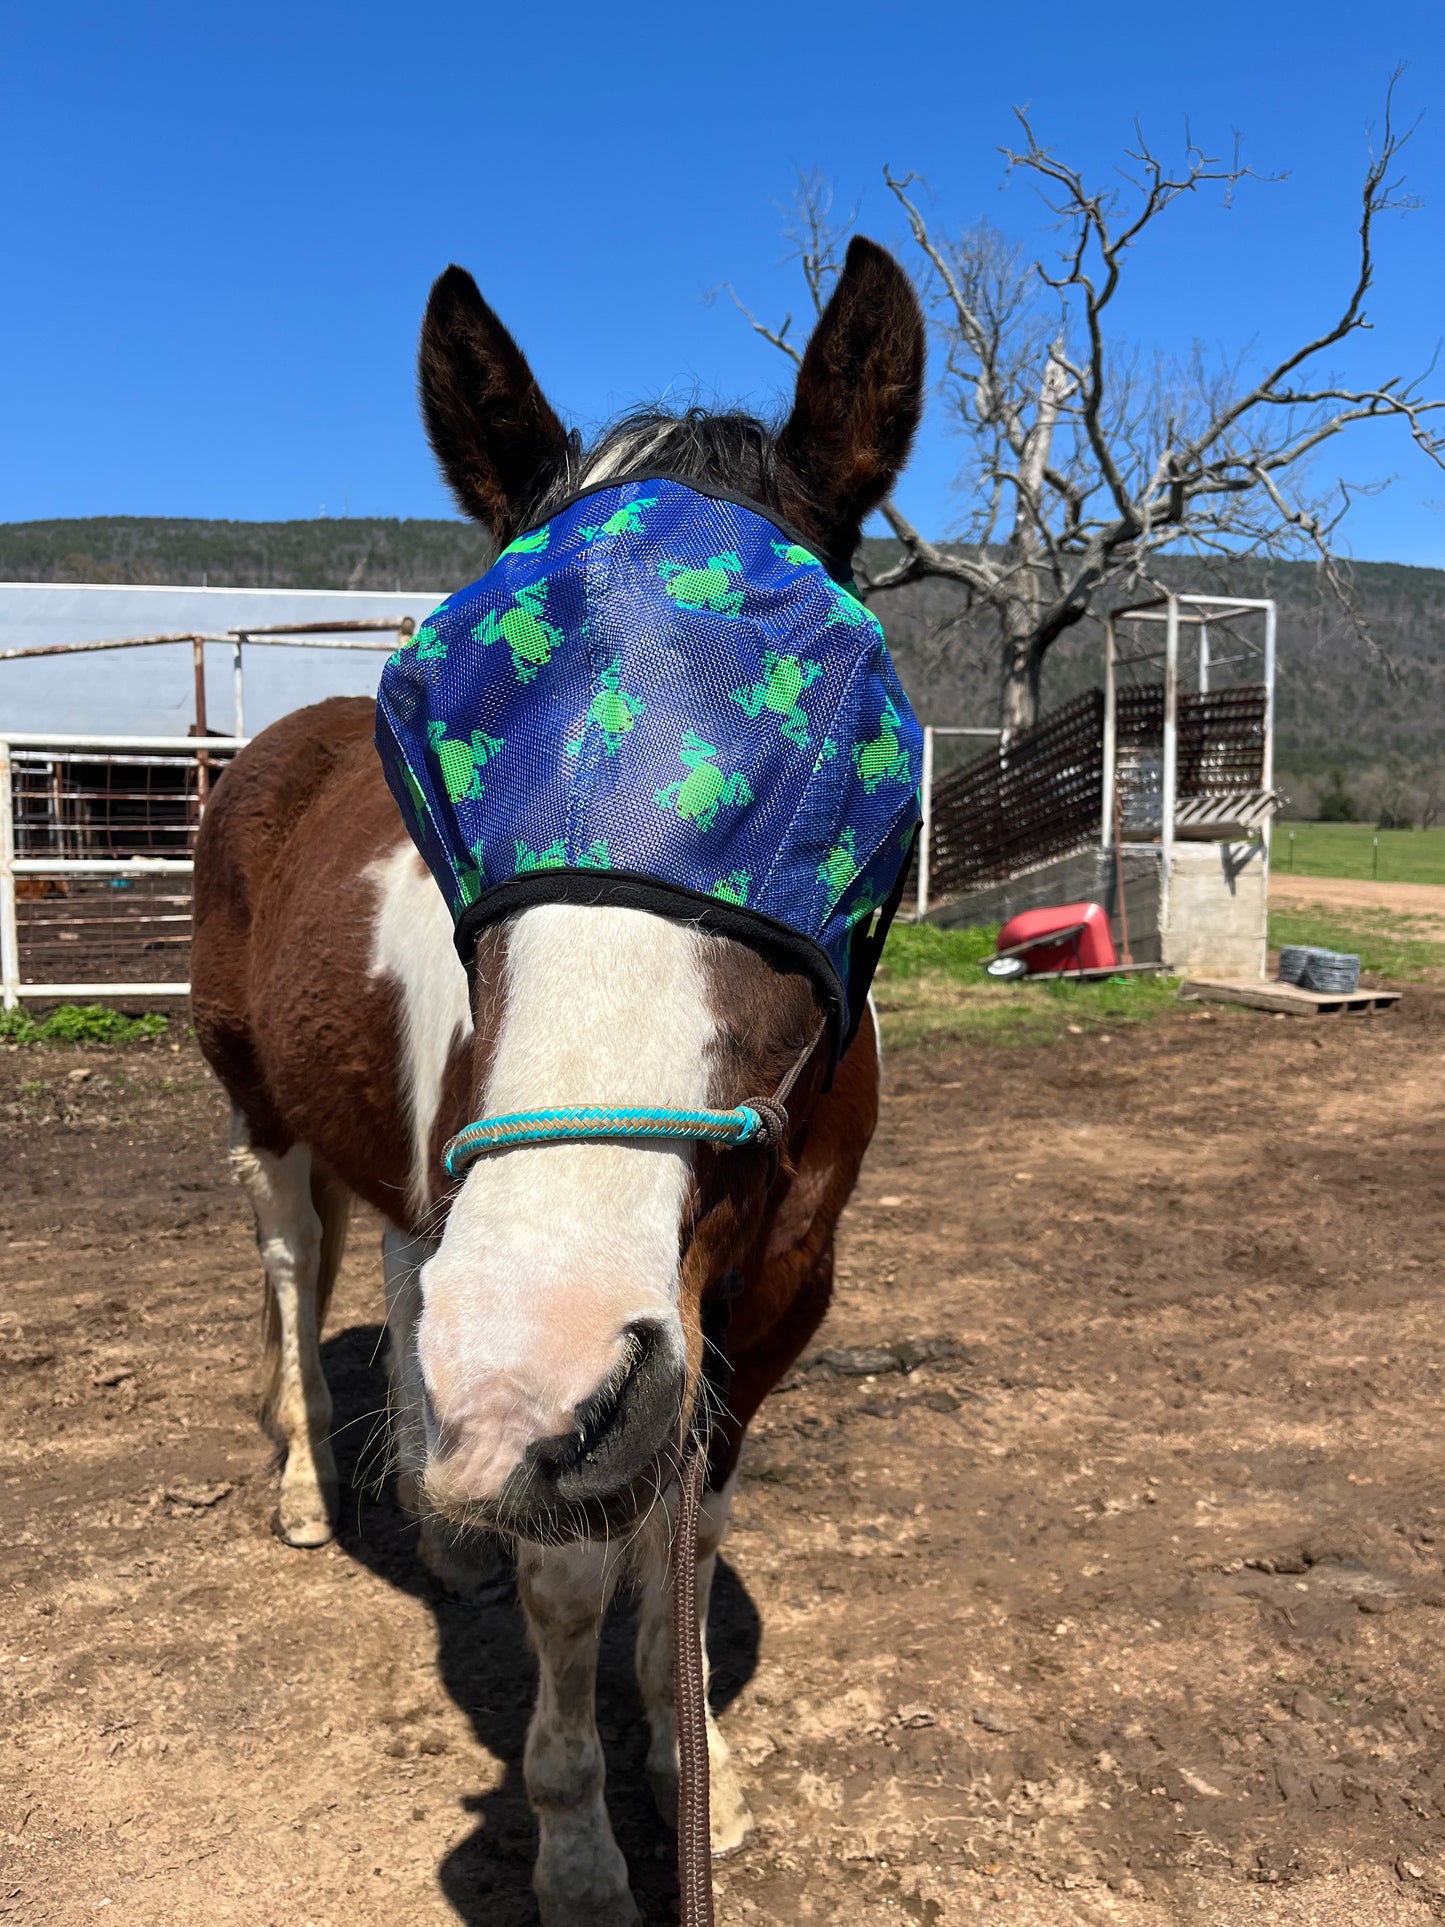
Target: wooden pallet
1289, 999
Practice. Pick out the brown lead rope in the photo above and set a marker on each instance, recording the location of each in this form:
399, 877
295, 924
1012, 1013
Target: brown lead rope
580, 1122
694, 1818
689, 1681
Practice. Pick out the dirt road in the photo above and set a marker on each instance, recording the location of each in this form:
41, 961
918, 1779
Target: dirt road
1414, 900
1123, 1604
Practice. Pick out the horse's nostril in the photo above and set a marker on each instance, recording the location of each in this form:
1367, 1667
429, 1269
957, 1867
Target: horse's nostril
616, 1434
607, 1406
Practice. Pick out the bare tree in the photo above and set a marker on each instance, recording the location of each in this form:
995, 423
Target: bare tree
1432, 795
1390, 799
1081, 462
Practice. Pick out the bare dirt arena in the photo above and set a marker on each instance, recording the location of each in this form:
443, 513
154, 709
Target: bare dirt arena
1090, 1573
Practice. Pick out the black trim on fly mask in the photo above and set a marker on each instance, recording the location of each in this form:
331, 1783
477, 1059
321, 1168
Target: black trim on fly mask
865, 949
779, 943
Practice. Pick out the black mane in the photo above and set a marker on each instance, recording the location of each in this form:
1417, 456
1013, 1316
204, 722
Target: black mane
734, 452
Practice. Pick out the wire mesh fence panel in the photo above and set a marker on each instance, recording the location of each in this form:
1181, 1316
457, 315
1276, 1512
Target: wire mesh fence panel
1221, 749
110, 807
1139, 759
1222, 740
104, 930
1038, 796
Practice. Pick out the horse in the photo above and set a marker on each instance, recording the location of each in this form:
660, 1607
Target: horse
558, 1319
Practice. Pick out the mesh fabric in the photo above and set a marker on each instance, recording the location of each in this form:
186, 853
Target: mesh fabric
661, 696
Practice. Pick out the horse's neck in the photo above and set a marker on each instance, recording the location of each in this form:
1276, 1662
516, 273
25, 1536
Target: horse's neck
412, 947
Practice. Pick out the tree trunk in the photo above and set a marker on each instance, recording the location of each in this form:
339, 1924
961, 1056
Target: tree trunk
1023, 655
1022, 663
1023, 659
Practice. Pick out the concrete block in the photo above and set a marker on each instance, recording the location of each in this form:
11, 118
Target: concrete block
1216, 921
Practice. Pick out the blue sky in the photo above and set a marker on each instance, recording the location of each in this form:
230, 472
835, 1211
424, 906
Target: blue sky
220, 223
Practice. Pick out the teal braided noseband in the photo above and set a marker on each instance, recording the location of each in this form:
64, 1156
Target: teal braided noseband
763, 1122
587, 1123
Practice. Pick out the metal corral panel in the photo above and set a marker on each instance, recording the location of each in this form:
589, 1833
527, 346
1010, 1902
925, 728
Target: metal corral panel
149, 691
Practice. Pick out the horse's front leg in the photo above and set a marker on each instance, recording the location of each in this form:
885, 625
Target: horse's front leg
580, 1877
295, 1400
731, 1820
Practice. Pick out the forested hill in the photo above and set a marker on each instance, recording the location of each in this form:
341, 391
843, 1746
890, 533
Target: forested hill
1339, 706
1336, 706
361, 552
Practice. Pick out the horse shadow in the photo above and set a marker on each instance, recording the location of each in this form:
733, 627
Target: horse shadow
487, 1669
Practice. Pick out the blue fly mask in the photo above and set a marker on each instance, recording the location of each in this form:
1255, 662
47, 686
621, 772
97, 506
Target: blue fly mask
662, 698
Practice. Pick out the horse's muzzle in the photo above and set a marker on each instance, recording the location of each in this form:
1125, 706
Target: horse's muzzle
619, 1452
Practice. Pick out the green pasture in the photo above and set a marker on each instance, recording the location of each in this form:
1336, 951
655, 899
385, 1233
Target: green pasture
1405, 949
1349, 850
79, 1024
931, 986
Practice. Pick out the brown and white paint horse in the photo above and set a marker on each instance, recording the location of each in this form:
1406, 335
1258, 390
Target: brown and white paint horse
547, 1313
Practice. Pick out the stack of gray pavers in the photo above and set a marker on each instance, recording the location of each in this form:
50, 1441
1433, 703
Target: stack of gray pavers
1330, 972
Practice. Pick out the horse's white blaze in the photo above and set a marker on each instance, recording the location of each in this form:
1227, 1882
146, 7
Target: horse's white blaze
412, 944
551, 1253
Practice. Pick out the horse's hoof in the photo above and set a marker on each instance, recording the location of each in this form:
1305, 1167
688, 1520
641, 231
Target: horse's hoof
309, 1503
730, 1816
306, 1533
732, 1820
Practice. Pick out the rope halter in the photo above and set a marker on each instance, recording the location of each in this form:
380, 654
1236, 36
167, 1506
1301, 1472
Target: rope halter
761, 1122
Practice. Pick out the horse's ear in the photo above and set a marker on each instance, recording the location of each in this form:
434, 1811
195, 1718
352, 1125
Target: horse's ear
860, 392
490, 426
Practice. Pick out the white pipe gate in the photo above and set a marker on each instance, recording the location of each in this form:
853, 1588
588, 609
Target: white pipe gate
47, 841
34, 753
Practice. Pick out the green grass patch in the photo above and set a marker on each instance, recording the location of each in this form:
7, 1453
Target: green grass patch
916, 950
931, 987
1348, 850
1407, 949
79, 1024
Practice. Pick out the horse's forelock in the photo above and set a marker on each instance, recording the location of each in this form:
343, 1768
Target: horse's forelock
732, 451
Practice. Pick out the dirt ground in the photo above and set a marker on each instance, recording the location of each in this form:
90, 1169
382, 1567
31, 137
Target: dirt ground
1090, 1573
1415, 900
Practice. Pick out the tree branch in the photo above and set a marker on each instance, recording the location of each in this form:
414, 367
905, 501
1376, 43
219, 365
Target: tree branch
1080, 465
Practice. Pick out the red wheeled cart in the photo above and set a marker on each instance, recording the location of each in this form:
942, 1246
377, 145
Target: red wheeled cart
1071, 940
